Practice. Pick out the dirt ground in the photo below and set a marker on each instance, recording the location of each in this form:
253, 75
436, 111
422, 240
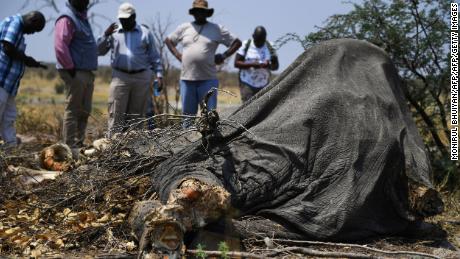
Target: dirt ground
82, 213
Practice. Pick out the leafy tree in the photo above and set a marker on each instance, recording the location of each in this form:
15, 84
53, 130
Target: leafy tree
415, 33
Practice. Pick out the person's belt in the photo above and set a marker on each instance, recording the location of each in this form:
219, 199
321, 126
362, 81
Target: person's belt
130, 71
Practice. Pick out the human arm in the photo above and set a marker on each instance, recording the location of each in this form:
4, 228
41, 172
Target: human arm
241, 63
229, 40
274, 64
219, 58
173, 49
155, 60
174, 39
11, 38
104, 43
63, 35
12, 52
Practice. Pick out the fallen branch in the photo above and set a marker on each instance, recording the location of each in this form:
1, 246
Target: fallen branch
227, 92
451, 222
316, 253
299, 242
116, 256
275, 252
229, 254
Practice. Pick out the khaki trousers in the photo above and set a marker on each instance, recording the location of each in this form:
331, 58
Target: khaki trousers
79, 95
127, 100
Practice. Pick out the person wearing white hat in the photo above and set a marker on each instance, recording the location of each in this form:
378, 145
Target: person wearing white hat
200, 40
133, 57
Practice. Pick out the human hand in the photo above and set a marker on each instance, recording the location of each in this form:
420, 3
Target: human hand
42, 66
111, 29
31, 62
219, 59
72, 72
265, 64
160, 83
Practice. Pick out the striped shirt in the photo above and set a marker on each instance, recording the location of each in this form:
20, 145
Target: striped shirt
11, 71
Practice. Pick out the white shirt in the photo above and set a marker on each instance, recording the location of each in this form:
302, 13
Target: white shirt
255, 77
254, 53
200, 43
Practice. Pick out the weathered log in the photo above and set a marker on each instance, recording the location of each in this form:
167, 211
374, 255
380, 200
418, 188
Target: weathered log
161, 227
156, 228
30, 176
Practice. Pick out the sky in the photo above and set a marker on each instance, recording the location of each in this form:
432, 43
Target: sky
239, 16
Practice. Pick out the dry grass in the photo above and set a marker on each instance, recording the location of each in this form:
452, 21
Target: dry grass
41, 109
38, 90
44, 119
450, 219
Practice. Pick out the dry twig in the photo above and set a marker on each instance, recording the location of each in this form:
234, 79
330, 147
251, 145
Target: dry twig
229, 254
342, 245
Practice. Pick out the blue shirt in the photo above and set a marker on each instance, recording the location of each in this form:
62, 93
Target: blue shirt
131, 50
11, 70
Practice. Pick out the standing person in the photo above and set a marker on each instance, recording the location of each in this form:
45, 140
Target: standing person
200, 40
76, 54
133, 57
255, 59
12, 63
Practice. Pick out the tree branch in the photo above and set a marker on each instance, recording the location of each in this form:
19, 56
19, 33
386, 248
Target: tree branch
317, 253
229, 254
367, 248
430, 45
428, 121
433, 94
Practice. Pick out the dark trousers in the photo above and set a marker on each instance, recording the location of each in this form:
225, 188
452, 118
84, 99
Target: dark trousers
248, 91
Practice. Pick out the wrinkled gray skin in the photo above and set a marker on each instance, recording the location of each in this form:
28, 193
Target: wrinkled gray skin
327, 150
